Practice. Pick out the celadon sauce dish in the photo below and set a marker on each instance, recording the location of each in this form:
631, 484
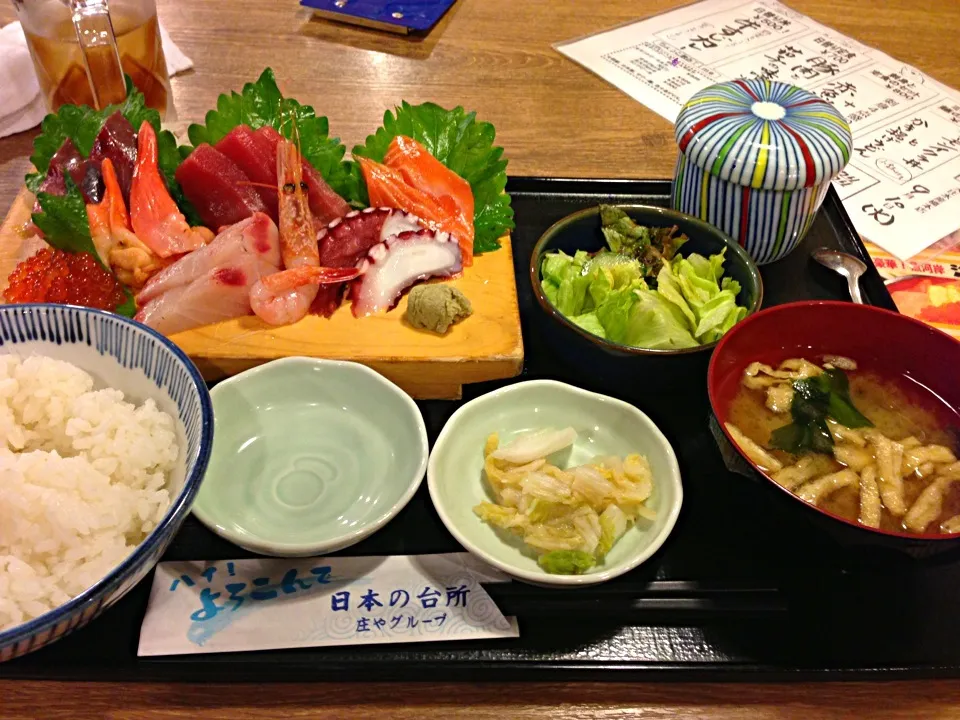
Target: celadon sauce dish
309, 456
604, 425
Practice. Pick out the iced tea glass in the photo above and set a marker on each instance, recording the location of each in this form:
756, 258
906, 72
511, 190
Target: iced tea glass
82, 48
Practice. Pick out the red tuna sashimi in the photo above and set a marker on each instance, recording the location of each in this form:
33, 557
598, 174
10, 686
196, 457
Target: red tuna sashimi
85, 173
65, 160
257, 161
325, 204
117, 140
346, 241
217, 188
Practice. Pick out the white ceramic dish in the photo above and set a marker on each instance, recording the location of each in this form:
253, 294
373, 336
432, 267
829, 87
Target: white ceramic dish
310, 456
604, 425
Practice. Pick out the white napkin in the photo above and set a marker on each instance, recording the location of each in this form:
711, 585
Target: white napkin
21, 104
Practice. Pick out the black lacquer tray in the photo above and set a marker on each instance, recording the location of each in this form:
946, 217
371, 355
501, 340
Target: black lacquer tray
739, 591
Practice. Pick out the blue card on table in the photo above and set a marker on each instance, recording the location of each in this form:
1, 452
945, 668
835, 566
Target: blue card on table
400, 16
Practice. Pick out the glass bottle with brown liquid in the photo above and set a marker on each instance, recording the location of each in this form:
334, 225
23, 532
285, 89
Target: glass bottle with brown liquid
82, 48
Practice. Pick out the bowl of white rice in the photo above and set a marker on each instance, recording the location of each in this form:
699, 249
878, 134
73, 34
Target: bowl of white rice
105, 434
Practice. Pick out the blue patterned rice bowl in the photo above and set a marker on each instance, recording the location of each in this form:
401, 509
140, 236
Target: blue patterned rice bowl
756, 160
122, 354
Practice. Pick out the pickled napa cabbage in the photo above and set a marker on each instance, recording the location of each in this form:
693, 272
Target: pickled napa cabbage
571, 518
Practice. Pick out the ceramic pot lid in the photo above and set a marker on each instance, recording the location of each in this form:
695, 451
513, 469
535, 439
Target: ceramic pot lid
763, 134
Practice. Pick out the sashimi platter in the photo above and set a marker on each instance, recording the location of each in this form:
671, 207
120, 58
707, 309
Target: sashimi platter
251, 237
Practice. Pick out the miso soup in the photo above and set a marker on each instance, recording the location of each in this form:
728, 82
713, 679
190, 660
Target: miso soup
893, 467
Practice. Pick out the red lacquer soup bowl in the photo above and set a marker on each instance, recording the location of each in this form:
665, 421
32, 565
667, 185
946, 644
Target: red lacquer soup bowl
892, 345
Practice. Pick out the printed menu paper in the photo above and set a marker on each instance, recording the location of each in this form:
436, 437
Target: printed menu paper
902, 185
927, 286
270, 603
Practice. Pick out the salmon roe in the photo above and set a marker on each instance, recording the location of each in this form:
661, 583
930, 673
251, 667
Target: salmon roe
57, 276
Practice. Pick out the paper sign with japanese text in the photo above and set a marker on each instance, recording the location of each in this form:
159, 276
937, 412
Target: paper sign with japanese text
270, 603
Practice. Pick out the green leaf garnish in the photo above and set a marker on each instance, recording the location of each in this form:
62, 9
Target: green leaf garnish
64, 224
81, 124
459, 141
650, 245
814, 400
128, 308
261, 103
63, 220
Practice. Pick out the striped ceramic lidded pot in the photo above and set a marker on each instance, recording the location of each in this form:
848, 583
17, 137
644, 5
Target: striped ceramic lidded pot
756, 160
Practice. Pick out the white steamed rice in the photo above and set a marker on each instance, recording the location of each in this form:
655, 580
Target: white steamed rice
83, 479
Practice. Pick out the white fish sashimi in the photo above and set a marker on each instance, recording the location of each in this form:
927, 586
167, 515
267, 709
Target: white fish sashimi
219, 294
256, 236
532, 446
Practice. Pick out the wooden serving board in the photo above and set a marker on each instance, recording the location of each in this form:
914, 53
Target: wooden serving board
485, 346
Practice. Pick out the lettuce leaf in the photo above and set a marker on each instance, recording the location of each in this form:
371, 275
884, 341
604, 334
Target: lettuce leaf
606, 294
464, 145
708, 301
589, 322
643, 318
261, 103
650, 245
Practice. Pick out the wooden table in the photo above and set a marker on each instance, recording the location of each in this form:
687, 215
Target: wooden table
553, 118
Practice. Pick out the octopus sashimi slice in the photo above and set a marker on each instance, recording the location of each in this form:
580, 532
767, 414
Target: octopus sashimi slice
346, 241
401, 261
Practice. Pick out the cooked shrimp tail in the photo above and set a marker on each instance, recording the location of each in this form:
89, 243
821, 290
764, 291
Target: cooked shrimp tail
307, 275
157, 221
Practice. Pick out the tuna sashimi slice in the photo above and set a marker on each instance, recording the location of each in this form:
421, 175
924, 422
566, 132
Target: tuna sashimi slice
117, 140
220, 293
85, 174
65, 160
422, 170
217, 188
257, 237
386, 187
324, 202
257, 161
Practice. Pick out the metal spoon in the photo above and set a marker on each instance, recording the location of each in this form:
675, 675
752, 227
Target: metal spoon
845, 264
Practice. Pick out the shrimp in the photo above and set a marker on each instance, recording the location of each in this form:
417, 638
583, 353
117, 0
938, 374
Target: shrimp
131, 260
277, 298
156, 219
285, 297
